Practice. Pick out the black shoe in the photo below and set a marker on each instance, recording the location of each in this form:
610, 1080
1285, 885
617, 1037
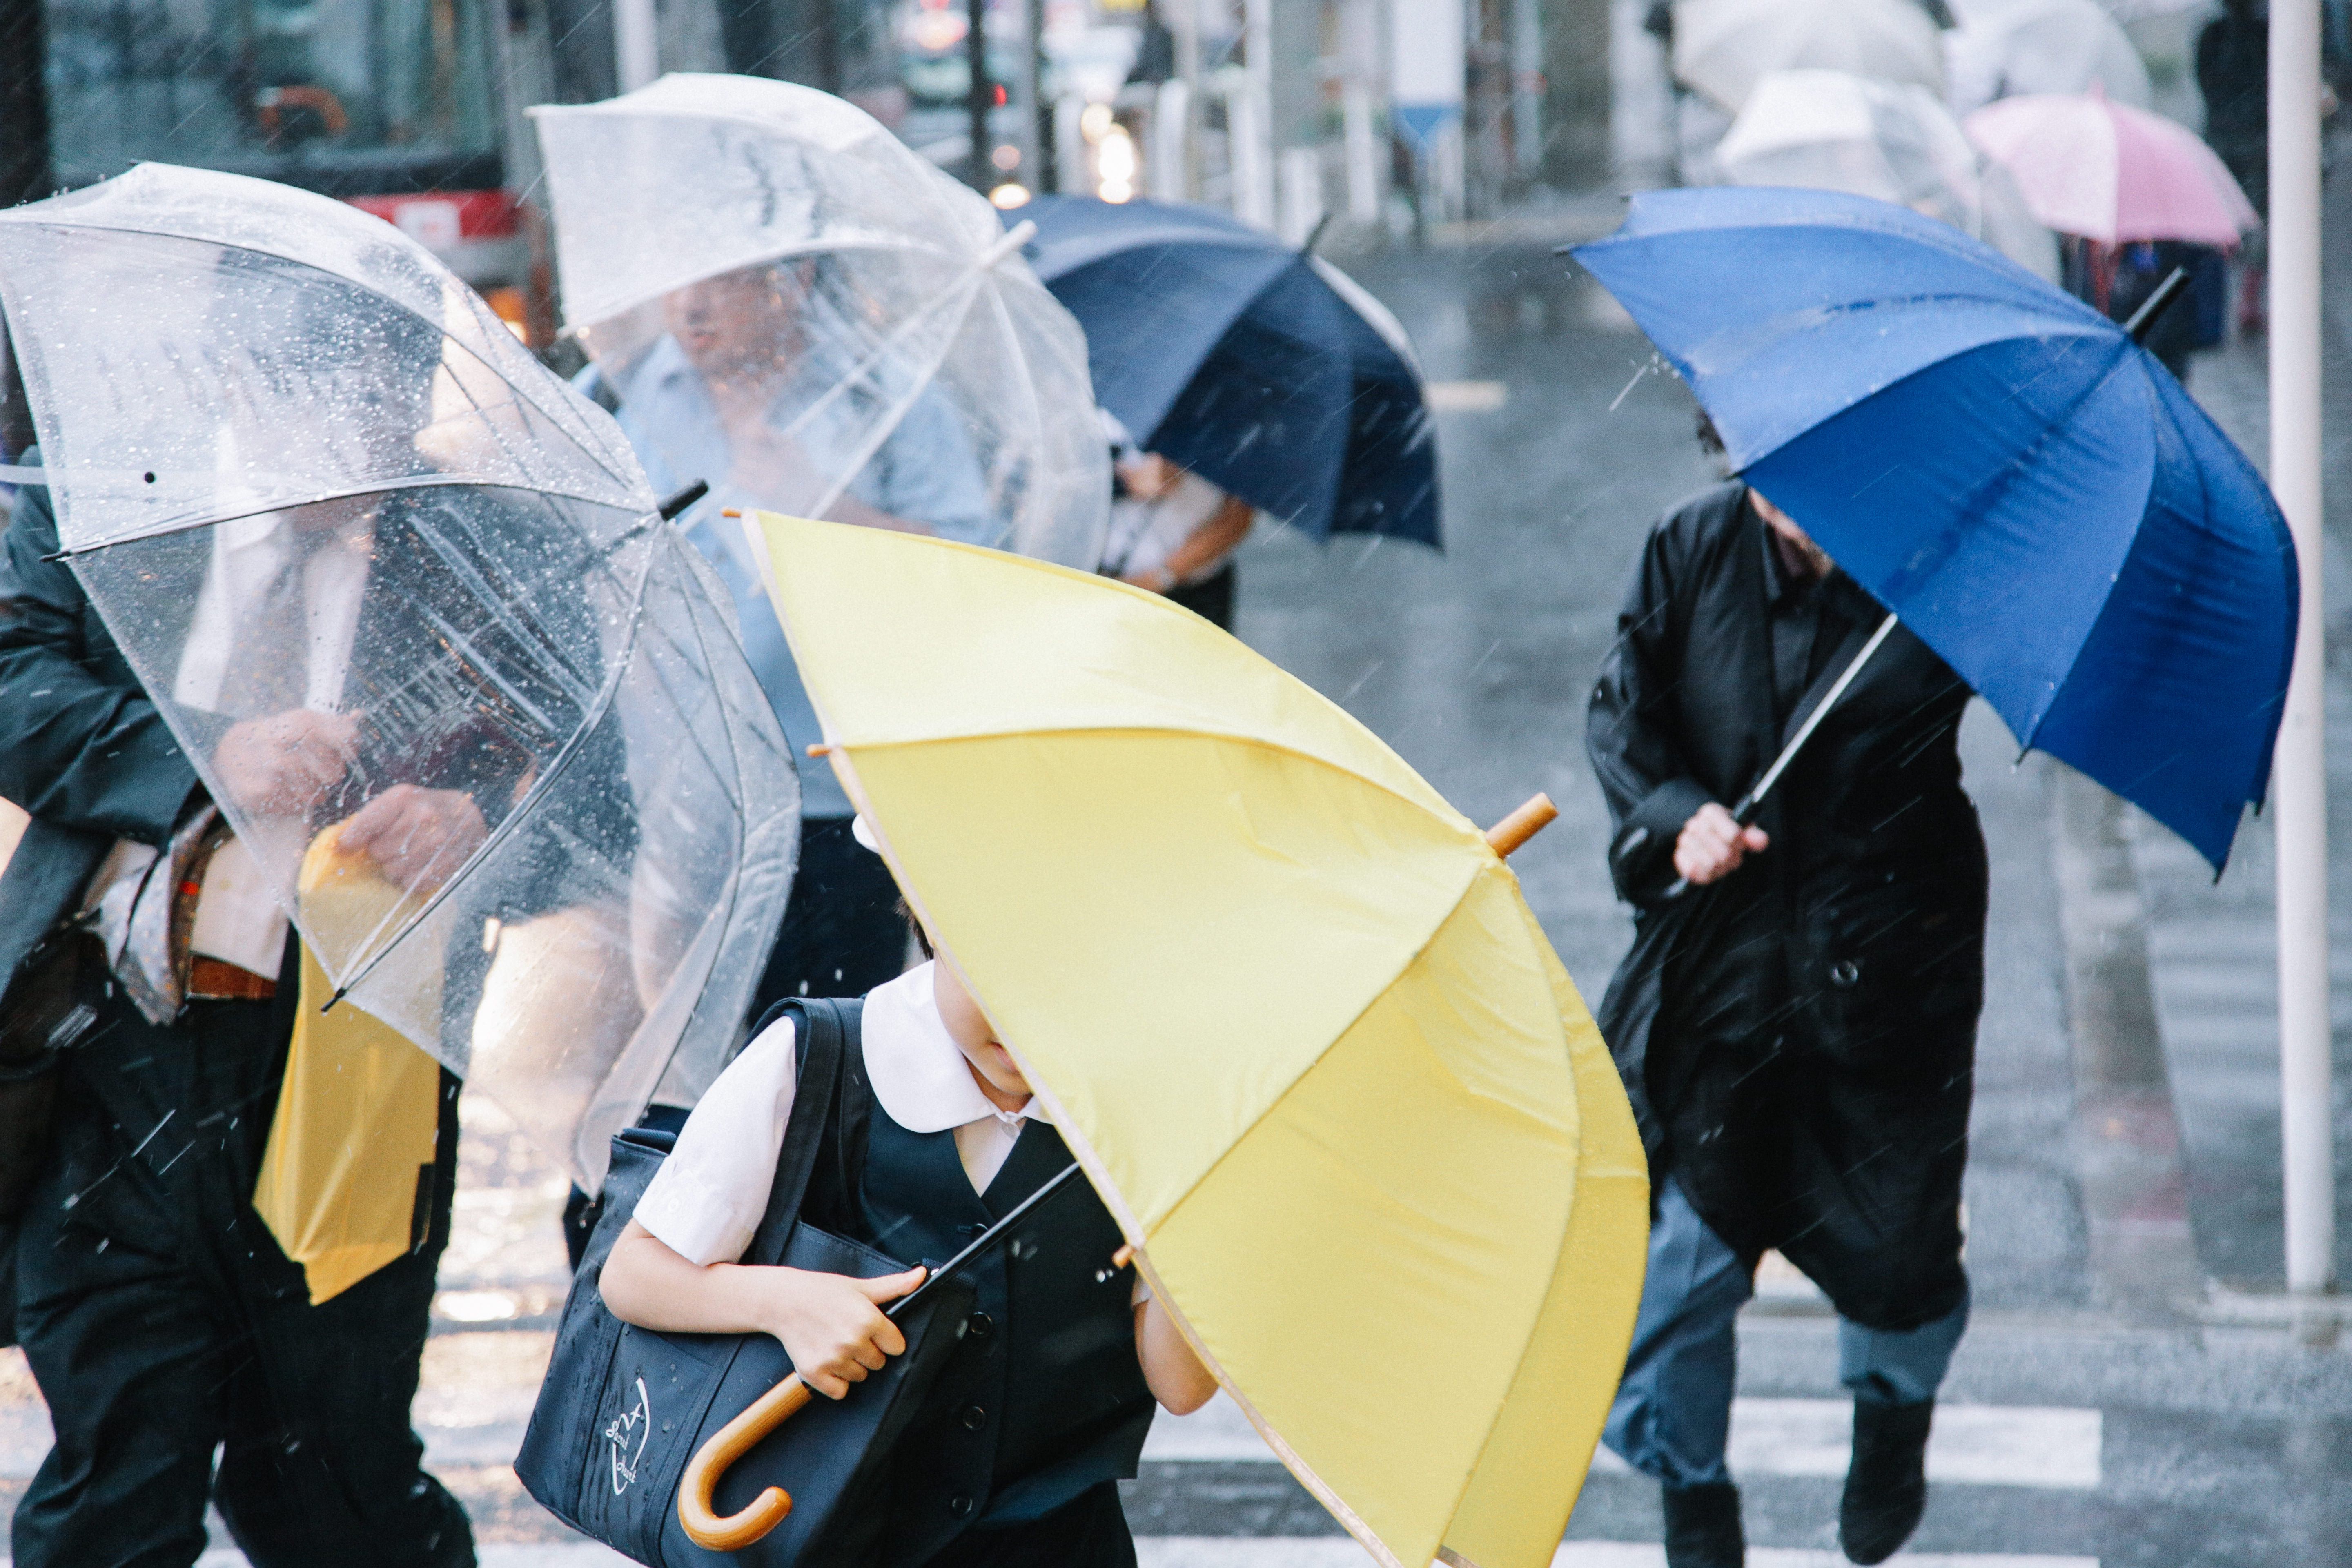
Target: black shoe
1703, 1527
1886, 1484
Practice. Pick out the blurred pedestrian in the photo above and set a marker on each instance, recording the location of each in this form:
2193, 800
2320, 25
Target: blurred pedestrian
2234, 73
160, 1318
1175, 533
750, 388
1796, 1029
2118, 280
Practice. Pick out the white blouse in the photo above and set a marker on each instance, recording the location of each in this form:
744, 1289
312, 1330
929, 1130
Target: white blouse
708, 1198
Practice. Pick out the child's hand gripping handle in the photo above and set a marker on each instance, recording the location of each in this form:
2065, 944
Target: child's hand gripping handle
703, 1525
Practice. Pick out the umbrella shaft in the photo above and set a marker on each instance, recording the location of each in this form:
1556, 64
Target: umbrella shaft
986, 1239
1753, 801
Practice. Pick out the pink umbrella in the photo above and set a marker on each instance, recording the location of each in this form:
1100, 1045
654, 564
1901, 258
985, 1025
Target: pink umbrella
2110, 172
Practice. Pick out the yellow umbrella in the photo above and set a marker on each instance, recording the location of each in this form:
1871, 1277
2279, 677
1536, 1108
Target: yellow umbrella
1286, 1005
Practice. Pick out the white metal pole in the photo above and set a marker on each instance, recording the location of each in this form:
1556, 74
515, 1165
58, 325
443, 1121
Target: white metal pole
1253, 130
2300, 772
636, 43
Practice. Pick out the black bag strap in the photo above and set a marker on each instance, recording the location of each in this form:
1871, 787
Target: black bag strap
821, 1029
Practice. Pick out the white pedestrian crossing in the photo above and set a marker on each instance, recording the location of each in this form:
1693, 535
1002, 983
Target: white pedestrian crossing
1333, 1552
1295, 1552
1971, 1445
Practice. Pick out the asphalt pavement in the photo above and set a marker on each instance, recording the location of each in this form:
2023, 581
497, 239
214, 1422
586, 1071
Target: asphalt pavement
2104, 1410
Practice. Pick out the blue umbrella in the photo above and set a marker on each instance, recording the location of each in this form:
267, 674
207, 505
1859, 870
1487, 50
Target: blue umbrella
2000, 465
1265, 370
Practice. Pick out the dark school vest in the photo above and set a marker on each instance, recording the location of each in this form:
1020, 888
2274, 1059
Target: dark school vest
1043, 1396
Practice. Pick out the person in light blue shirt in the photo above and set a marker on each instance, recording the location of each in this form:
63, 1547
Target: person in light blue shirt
768, 387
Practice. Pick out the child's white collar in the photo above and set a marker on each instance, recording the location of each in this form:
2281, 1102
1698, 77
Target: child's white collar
920, 1076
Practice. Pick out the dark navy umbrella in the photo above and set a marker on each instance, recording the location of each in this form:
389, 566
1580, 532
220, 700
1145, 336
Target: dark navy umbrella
2000, 465
1267, 371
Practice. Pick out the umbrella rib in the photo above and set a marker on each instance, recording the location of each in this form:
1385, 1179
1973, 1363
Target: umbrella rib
860, 372
581, 692
1323, 1491
439, 327
388, 487
1234, 736
538, 792
606, 310
1026, 379
1576, 1183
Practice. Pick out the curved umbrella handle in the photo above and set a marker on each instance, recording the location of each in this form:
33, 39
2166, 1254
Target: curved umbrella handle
703, 1525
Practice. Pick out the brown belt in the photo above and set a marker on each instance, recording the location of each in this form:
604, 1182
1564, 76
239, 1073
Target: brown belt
210, 980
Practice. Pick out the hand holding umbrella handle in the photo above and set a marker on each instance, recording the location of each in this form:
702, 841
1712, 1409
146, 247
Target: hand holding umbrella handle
703, 1525
701, 1521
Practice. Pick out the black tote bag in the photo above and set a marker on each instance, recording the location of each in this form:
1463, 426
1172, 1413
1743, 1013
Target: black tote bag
623, 1408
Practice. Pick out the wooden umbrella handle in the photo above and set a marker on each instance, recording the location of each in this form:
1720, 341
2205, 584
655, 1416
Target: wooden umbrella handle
1522, 825
696, 1488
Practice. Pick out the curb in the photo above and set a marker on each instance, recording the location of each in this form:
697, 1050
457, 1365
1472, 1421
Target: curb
2135, 1185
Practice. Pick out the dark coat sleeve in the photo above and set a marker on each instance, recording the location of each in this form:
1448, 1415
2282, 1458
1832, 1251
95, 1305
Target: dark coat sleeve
81, 746
1628, 729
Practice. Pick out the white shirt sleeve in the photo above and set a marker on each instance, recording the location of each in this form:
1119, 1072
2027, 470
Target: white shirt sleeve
709, 1195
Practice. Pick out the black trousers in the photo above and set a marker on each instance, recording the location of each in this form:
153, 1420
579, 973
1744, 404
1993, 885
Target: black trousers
162, 1321
841, 934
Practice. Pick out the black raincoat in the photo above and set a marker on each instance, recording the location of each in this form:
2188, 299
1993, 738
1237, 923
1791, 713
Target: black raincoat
1799, 1038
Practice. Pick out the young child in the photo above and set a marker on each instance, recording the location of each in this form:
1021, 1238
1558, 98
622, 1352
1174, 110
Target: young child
1042, 1407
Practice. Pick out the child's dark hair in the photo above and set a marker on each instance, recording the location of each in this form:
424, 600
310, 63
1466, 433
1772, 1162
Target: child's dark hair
922, 937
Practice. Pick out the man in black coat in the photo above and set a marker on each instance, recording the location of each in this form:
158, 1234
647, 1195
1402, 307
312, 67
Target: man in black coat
1796, 1029
160, 1316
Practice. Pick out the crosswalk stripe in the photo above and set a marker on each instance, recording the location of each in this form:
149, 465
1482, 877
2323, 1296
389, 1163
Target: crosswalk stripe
1294, 1552
1333, 1551
1971, 1445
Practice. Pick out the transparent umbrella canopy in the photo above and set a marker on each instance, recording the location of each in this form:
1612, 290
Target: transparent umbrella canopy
379, 569
2004, 48
1895, 142
793, 306
1723, 46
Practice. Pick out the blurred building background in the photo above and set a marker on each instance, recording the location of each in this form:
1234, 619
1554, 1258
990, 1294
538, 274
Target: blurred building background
1382, 114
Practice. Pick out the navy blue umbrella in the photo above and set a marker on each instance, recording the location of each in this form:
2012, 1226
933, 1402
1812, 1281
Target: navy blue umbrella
1267, 371
2000, 465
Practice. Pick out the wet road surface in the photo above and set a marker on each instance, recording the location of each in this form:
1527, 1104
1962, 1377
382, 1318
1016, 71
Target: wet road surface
2092, 1418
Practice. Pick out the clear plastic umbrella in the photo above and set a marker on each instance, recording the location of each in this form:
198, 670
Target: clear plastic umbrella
1830, 130
793, 306
1723, 46
392, 583
2006, 47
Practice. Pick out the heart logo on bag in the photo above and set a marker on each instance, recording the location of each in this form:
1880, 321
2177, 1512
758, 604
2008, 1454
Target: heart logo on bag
637, 1419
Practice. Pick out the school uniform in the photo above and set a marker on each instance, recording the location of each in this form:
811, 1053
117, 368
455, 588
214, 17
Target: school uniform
1042, 1408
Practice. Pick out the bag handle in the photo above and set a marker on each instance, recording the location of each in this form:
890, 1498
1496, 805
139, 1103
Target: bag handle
819, 1032
818, 1026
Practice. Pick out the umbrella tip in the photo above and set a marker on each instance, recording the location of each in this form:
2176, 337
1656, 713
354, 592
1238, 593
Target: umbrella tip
819, 749
730, 512
1522, 825
1123, 1257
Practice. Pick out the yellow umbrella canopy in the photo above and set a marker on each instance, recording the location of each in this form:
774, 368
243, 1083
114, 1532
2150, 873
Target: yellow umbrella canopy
1286, 1005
